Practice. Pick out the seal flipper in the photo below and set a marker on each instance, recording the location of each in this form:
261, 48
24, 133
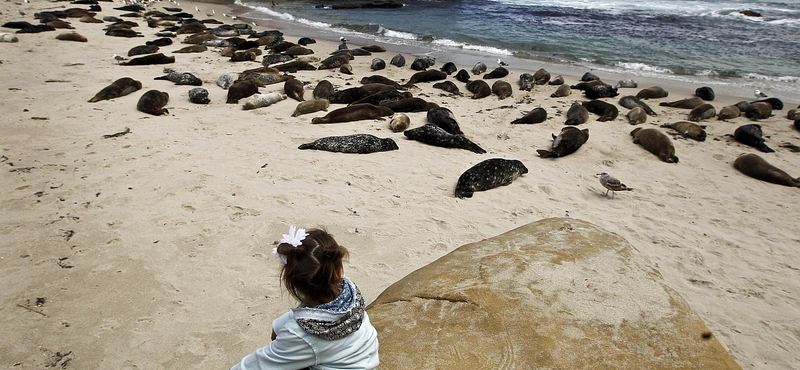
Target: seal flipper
469, 145
546, 153
764, 148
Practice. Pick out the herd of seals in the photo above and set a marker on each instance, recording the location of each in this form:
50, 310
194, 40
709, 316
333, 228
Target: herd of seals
379, 97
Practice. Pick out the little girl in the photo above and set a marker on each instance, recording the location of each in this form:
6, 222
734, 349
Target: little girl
329, 329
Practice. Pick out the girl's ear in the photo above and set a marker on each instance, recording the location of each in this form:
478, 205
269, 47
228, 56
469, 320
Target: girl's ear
340, 272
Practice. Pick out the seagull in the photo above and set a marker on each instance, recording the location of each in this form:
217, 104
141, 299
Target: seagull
759, 94
343, 45
612, 184
196, 9
119, 58
234, 17
254, 23
501, 63
224, 15
213, 13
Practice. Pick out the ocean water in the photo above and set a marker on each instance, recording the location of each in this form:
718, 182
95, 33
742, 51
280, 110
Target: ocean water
682, 39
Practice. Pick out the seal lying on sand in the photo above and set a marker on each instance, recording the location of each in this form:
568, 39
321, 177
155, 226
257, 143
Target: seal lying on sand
688, 103
256, 101
758, 168
409, 105
537, 115
753, 136
153, 102
607, 112
240, 90
356, 143
199, 95
688, 129
502, 89
655, 142
479, 89
701, 112
159, 58
577, 114
636, 116
354, 112
729, 112
631, 102
437, 136
399, 122
180, 78
311, 106
120, 87
445, 119
569, 140
489, 174
653, 92
323, 89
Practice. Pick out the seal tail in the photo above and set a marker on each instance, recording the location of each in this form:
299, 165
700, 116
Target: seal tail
546, 153
306, 146
764, 148
475, 148
165, 77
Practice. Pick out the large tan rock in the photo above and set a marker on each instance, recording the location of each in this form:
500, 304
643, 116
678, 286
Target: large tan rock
554, 294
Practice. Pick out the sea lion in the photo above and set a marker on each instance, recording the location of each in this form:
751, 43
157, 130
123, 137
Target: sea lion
159, 58
577, 114
282, 46
398, 60
335, 61
502, 89
198, 38
374, 48
426, 76
422, 63
293, 88
631, 102
701, 112
488, 174
758, 110
298, 50
162, 41
526, 82
191, 49
58, 24
536, 115
752, 135
378, 79
399, 122
706, 93
561, 91
653, 92
449, 68
498, 72
377, 64
568, 141
600, 91
742, 105
153, 102
776, 103
607, 112
448, 86
243, 56
585, 85
199, 95
758, 168
462, 76
541, 76
478, 68
636, 116
354, 112
384, 96
557, 80
225, 80
354, 144
479, 89
240, 90
627, 83
311, 106
72, 36
120, 32
323, 89
409, 105
589, 76
444, 118
793, 114
437, 136
256, 101
180, 78
275, 58
656, 142
303, 41
688, 103
729, 112
688, 129
120, 87
348, 96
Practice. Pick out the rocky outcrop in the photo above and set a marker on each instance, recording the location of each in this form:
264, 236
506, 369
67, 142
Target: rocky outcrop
554, 294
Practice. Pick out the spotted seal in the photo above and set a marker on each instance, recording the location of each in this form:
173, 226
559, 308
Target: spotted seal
335, 61
199, 95
701, 112
653, 92
355, 144
356, 112
437, 136
449, 68
758, 168
120, 87
656, 142
600, 91
607, 112
568, 141
159, 58
526, 82
444, 118
479, 89
489, 174
256, 101
688, 129
153, 102
752, 135
502, 89
577, 114
627, 84
536, 115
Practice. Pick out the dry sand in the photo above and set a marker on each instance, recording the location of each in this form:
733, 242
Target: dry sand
151, 250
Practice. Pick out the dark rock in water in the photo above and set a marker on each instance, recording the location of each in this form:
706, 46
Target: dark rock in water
199, 95
589, 76
706, 93
750, 13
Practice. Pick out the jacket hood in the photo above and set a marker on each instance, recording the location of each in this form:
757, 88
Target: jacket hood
335, 319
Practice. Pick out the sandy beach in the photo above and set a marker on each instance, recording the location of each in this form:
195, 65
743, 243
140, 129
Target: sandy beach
152, 249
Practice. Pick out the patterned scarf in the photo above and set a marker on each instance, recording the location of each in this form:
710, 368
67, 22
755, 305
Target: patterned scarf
335, 319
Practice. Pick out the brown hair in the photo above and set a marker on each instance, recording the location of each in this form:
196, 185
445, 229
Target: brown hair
311, 270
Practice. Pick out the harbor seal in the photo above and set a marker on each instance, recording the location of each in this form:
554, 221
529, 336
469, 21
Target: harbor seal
398, 60
434, 135
729, 112
656, 142
399, 122
526, 82
536, 115
600, 91
243, 56
275, 58
426, 76
444, 118
180, 78
502, 89
462, 76
225, 80
688, 129
752, 135
701, 112
541, 76
159, 58
384, 95
688, 103
71, 36
422, 63
568, 141
478, 68
636, 116
631, 102
479, 89
776, 103
449, 68
256, 101
356, 112
498, 72
448, 86
293, 88
489, 174
199, 95
607, 112
758, 110
585, 85
561, 91
589, 76
706, 93
758, 168
190, 49
577, 114
120, 87
377, 64
354, 144
653, 92
311, 106
240, 90
323, 89
557, 81
153, 102
409, 105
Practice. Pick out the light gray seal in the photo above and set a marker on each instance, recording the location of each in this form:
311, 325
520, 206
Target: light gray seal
758, 168
120, 87
153, 102
568, 141
355, 144
199, 95
701, 112
752, 135
478, 68
636, 116
437, 136
688, 129
536, 115
489, 174
577, 114
356, 112
656, 142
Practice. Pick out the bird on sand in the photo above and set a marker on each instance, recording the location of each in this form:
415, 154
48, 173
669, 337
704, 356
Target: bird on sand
612, 184
759, 94
118, 58
501, 63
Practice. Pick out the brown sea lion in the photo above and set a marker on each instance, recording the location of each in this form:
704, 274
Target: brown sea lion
631, 102
120, 87
142, 49
374, 48
297, 65
399, 122
688, 129
729, 112
577, 114
448, 86
192, 49
607, 112
384, 95
656, 142
701, 112
479, 89
409, 105
758, 168
72, 36
541, 76
502, 89
688, 103
568, 141
159, 58
354, 113
378, 79
298, 50
793, 114
536, 115
561, 91
348, 96
153, 102
426, 76
311, 106
653, 92
637, 116
758, 110
239, 90
323, 89
293, 88
335, 61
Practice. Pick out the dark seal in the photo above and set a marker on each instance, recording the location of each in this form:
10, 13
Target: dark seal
159, 58
758, 168
537, 115
448, 86
653, 92
479, 89
701, 112
410, 105
568, 141
120, 87
655, 142
153, 102
444, 118
607, 112
293, 88
199, 95
323, 90
498, 72
240, 90
356, 144
577, 114
354, 112
753, 136
437, 136
489, 174
502, 89
706, 93
688, 103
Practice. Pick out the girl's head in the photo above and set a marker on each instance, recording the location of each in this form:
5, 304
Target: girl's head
313, 268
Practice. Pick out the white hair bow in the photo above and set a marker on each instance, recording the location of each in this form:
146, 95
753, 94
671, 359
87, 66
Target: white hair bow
294, 238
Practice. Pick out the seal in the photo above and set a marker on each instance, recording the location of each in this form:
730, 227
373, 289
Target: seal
589, 76
422, 63
489, 174
655, 142
409, 105
627, 83
159, 58
399, 122
729, 112
607, 112
190, 49
636, 116
356, 112
306, 41
120, 87
653, 92
426, 76
758, 110
335, 61
323, 89
263, 76
688, 103
793, 114
163, 41
706, 93
585, 85
688, 129
225, 80
541, 76
445, 119
293, 88
180, 78
776, 103
296, 65
240, 90
502, 89
536, 115
348, 96
631, 102
479, 89
434, 135
199, 95
577, 114
752, 135
742, 105
568, 141
449, 68
346, 69
758, 168
448, 86
153, 102
462, 76
557, 80
142, 49
256, 101
600, 91
478, 68
384, 95
561, 91
526, 82
701, 112
243, 56
374, 48
298, 50
377, 64
311, 106
275, 58
398, 60
7, 37
355, 144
